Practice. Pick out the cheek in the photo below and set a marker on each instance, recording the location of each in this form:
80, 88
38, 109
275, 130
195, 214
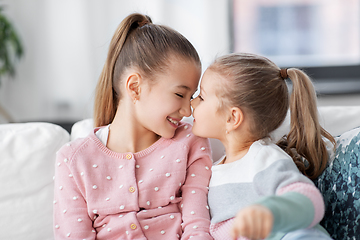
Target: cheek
200, 124
201, 130
199, 113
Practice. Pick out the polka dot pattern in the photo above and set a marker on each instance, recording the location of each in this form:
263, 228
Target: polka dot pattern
120, 181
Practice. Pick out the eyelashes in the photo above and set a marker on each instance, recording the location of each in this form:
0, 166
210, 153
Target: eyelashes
182, 96
191, 98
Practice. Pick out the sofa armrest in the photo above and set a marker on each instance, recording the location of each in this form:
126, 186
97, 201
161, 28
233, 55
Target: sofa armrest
27, 153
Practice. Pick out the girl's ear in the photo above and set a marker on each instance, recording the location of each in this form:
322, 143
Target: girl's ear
235, 119
133, 83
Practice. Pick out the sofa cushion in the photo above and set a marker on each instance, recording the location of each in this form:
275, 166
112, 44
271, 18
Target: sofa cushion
82, 128
340, 186
335, 119
27, 153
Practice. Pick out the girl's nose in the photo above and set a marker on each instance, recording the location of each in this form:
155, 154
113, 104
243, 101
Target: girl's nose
186, 110
194, 102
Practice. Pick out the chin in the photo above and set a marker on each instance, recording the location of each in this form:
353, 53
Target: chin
196, 132
168, 135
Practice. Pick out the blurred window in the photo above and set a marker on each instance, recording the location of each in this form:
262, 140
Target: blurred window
321, 37
299, 32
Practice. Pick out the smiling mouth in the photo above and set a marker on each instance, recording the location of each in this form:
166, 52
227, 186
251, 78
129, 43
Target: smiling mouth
173, 121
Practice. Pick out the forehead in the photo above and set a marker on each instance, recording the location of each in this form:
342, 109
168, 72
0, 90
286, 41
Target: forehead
211, 80
181, 74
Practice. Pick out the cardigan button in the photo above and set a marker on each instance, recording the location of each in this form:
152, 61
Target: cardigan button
133, 226
131, 189
128, 156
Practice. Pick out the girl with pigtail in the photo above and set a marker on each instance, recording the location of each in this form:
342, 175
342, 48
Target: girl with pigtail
261, 189
141, 174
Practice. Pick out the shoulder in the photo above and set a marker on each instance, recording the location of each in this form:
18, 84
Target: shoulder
278, 169
196, 147
267, 153
183, 131
184, 134
71, 149
267, 147
268, 156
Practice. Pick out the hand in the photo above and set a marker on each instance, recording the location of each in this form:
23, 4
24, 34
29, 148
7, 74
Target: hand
253, 222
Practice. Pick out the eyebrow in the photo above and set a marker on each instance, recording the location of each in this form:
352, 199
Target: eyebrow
202, 90
184, 87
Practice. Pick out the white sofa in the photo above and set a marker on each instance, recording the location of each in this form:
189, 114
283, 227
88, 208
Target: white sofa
27, 163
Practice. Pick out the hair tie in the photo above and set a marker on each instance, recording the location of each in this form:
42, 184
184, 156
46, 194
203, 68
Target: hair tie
283, 73
139, 24
143, 23
146, 21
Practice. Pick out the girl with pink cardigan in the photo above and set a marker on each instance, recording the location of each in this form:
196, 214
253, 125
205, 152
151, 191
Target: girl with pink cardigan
141, 174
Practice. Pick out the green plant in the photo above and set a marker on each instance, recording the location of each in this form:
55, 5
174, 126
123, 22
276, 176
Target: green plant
10, 46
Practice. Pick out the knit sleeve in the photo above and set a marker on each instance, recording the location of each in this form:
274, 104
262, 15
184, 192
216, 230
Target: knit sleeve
294, 209
289, 194
71, 220
194, 206
312, 193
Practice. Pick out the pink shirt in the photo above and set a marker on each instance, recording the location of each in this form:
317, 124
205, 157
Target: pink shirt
157, 193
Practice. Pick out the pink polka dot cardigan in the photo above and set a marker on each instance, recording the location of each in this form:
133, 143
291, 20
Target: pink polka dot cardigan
158, 193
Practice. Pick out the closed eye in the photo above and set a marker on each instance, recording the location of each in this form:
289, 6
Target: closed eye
179, 95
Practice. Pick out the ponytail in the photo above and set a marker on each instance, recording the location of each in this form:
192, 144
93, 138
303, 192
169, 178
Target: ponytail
305, 143
136, 43
107, 97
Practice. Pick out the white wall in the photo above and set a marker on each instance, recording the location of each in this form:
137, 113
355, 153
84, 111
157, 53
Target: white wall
66, 44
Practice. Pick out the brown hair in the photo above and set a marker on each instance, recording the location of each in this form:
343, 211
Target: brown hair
254, 84
139, 43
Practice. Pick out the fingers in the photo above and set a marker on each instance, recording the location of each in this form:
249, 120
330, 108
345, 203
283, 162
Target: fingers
268, 225
254, 222
239, 226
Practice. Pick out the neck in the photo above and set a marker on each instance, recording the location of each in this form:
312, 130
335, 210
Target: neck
235, 149
127, 135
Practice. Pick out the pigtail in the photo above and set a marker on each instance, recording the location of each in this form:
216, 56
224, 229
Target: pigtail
305, 139
107, 95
